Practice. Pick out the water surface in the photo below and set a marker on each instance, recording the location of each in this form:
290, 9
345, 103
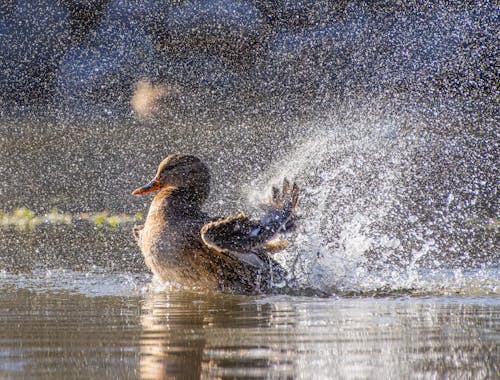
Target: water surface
75, 325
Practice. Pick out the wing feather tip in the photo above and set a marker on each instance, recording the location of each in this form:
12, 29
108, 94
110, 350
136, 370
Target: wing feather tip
209, 240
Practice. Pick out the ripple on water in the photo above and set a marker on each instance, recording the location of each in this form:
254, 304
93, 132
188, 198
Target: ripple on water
96, 325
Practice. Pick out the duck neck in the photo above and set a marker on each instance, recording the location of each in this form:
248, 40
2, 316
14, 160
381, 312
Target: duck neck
177, 201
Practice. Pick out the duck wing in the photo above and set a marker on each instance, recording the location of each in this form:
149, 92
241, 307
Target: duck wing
137, 231
239, 233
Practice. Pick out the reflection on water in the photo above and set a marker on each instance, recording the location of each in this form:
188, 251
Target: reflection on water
335, 338
47, 332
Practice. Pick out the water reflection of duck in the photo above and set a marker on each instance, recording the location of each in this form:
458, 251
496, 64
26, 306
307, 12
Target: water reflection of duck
181, 244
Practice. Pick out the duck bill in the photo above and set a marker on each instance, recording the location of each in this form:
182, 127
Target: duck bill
150, 187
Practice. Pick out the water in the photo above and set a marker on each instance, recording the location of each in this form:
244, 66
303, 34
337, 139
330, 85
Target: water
385, 113
389, 200
79, 326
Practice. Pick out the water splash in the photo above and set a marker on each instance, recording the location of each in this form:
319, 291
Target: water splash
359, 228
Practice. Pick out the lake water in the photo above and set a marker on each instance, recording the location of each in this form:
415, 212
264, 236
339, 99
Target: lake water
63, 324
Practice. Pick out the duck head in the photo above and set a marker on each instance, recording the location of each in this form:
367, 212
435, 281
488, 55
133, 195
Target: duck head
180, 171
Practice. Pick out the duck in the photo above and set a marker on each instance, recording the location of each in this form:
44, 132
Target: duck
184, 246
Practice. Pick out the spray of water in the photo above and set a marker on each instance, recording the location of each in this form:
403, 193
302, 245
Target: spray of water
359, 228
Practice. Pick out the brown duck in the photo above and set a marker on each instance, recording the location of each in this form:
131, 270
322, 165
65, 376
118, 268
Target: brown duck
183, 245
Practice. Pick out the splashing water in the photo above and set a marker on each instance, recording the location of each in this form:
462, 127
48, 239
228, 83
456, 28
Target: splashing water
359, 229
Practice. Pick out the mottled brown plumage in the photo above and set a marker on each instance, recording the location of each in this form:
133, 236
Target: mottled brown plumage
183, 245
